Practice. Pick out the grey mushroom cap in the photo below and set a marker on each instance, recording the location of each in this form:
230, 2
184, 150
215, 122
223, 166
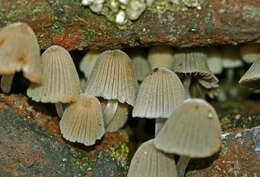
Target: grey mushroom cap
20, 51
251, 79
150, 162
159, 94
193, 130
112, 77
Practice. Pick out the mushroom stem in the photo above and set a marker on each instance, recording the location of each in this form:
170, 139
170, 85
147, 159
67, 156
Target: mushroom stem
182, 165
110, 111
186, 85
159, 122
6, 82
59, 109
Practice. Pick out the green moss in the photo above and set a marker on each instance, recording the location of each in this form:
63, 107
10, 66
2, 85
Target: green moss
38, 10
116, 153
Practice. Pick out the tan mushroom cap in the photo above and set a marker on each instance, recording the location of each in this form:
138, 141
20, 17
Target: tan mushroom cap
60, 78
160, 92
119, 119
193, 62
160, 56
251, 79
19, 51
141, 67
250, 52
231, 57
150, 162
82, 121
214, 60
193, 130
113, 78
88, 62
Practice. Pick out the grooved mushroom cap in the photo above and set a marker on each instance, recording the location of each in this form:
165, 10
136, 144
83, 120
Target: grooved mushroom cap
251, 79
88, 62
82, 121
250, 52
119, 119
112, 77
19, 51
214, 61
231, 57
141, 66
160, 56
60, 78
150, 162
193, 62
193, 130
160, 92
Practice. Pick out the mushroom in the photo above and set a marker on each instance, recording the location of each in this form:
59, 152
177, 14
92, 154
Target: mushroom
193, 131
60, 79
214, 61
19, 51
159, 94
141, 66
251, 78
82, 121
150, 162
88, 61
250, 52
160, 56
112, 78
119, 114
191, 66
231, 61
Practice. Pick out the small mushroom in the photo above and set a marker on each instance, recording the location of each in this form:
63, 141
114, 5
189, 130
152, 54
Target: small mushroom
60, 79
19, 51
119, 114
160, 56
231, 61
251, 79
150, 162
88, 61
112, 78
193, 131
141, 66
250, 52
214, 61
82, 121
159, 94
191, 66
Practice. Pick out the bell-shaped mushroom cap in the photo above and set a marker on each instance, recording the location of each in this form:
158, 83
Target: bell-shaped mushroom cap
112, 77
214, 61
141, 66
119, 118
193, 62
250, 52
231, 57
160, 92
150, 162
160, 56
87, 63
251, 79
82, 121
199, 91
193, 130
60, 78
19, 51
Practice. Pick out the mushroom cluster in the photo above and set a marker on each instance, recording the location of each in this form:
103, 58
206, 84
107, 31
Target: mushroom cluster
163, 84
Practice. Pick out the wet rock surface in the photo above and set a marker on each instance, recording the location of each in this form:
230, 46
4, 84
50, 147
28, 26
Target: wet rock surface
31, 145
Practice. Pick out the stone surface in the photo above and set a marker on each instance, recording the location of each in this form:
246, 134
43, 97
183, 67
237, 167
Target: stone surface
239, 157
31, 145
69, 24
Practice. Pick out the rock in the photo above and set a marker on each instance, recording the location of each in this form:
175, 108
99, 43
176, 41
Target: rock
75, 27
31, 145
239, 157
